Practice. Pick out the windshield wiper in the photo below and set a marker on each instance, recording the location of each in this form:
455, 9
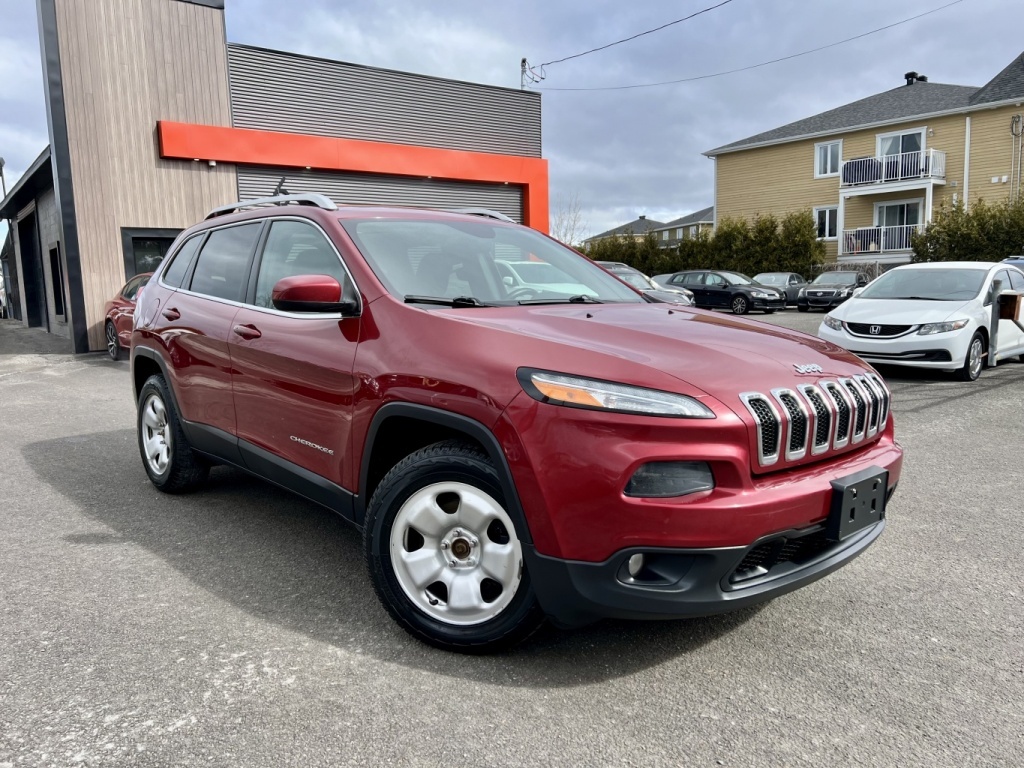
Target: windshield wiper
580, 299
918, 298
458, 301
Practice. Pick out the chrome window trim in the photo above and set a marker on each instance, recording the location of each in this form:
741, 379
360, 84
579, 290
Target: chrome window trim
813, 429
762, 459
802, 451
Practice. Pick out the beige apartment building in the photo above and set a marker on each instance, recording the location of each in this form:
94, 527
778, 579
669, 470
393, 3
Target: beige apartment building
875, 171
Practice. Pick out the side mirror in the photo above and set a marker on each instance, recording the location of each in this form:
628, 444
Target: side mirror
508, 281
312, 293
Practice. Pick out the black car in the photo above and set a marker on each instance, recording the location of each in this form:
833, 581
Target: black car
651, 290
830, 289
790, 282
720, 289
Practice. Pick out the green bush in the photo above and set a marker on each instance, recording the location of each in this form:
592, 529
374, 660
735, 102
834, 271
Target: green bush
985, 232
765, 245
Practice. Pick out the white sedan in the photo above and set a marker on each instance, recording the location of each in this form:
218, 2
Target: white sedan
935, 315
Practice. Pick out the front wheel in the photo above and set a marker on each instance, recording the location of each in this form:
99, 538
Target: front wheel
443, 552
740, 306
801, 308
974, 360
769, 311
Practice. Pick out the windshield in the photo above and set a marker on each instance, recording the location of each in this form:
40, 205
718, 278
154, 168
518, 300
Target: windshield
735, 278
927, 284
489, 262
836, 278
771, 278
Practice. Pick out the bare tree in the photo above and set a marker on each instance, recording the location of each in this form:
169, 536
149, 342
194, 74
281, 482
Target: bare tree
567, 223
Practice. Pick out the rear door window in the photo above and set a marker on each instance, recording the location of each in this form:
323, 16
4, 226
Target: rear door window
1016, 280
223, 266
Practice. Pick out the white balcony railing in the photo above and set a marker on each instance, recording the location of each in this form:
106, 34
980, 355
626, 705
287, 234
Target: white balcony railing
877, 239
928, 164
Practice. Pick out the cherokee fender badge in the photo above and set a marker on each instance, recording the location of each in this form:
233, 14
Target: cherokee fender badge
808, 368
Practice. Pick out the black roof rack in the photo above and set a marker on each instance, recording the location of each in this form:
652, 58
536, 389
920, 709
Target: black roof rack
320, 201
483, 212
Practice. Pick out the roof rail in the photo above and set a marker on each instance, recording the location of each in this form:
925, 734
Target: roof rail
320, 201
486, 212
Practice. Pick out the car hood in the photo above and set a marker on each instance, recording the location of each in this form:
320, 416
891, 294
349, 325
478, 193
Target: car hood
640, 343
897, 311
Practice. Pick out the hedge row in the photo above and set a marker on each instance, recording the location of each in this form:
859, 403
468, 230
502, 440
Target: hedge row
985, 232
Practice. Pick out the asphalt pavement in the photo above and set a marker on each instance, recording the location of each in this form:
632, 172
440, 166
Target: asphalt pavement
236, 626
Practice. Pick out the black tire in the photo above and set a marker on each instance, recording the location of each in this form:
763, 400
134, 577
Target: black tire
740, 305
113, 343
769, 311
183, 469
451, 462
801, 308
970, 371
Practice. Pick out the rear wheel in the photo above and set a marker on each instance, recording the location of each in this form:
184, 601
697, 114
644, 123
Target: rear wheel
769, 311
113, 345
444, 555
974, 360
740, 305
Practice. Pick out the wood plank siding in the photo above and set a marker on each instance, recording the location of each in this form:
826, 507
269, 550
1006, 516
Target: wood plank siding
125, 64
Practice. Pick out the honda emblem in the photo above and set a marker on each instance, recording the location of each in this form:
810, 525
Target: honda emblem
874, 330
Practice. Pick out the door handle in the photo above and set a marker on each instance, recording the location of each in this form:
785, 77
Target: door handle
247, 331
171, 313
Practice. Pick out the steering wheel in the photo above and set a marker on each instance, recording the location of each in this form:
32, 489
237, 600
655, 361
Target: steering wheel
520, 292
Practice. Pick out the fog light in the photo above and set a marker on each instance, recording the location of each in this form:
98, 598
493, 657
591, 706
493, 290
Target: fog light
663, 479
635, 565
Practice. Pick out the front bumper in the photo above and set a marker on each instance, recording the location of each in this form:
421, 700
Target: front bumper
823, 302
681, 583
941, 350
763, 304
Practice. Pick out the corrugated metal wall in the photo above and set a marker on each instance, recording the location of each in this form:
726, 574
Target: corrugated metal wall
387, 190
276, 91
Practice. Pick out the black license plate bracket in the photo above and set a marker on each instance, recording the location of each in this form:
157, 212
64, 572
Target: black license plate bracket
858, 501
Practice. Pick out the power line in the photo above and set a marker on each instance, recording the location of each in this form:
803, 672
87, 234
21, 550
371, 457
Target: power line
763, 63
634, 37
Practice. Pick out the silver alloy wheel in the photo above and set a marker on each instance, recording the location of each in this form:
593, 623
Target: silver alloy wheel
455, 553
975, 357
112, 345
156, 434
739, 305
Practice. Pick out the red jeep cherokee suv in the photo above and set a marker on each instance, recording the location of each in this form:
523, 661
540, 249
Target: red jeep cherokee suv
511, 450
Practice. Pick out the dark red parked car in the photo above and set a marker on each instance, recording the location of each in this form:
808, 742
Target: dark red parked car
510, 452
117, 326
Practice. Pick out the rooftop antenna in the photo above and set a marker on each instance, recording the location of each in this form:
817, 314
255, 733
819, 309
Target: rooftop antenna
279, 189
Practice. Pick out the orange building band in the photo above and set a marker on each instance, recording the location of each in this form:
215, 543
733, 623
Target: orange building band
187, 141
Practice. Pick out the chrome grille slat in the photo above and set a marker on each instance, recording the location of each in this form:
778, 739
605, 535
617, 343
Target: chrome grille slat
841, 436
859, 417
875, 399
769, 427
796, 430
822, 418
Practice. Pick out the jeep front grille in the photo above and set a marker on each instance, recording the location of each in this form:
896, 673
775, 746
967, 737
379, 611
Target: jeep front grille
815, 418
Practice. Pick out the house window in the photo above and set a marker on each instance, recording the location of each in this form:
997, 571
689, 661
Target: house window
897, 221
679, 234
827, 220
693, 230
664, 235
827, 156
900, 142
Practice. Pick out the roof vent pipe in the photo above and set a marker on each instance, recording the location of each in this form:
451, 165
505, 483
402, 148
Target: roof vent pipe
911, 77
922, 79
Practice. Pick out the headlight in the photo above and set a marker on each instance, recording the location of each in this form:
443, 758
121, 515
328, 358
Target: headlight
952, 325
801, 292
845, 292
762, 295
831, 322
594, 394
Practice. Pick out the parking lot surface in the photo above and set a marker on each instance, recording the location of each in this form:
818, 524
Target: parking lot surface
237, 626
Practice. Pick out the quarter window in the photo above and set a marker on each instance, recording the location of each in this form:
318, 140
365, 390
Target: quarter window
180, 262
827, 221
827, 156
1016, 280
222, 267
294, 248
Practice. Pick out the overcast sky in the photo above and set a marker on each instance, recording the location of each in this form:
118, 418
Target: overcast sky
621, 152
